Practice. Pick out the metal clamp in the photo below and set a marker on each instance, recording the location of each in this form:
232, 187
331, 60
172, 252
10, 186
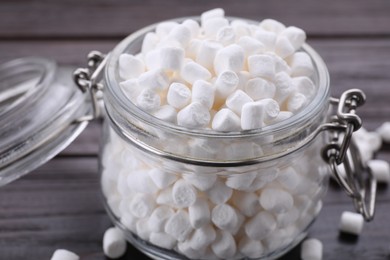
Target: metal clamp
89, 79
341, 152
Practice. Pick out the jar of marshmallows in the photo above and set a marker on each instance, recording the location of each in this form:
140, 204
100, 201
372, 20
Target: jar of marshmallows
219, 136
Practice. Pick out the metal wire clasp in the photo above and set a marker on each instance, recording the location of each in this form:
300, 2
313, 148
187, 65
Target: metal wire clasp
341, 152
89, 79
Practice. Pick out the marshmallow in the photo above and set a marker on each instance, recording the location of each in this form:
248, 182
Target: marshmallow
154, 79
163, 240
199, 213
296, 102
63, 254
152, 59
163, 29
159, 217
261, 65
311, 249
267, 38
206, 53
179, 226
241, 28
114, 243
250, 45
202, 237
162, 179
237, 100
184, 195
226, 120
380, 169
165, 197
113, 202
201, 181
304, 85
140, 181
272, 26
230, 58
255, 114
384, 131
258, 88
283, 47
224, 217
213, 13
276, 200
351, 222
130, 66
131, 88
283, 115
193, 49
288, 178
148, 100
142, 205
260, 226
226, 35
149, 43
287, 218
179, 95
203, 92
212, 26
240, 181
301, 64
251, 248
171, 58
192, 71
242, 150
193, 116
224, 245
219, 193
129, 221
166, 113
284, 87
225, 84
246, 202
193, 26
181, 34
142, 229
295, 35
185, 248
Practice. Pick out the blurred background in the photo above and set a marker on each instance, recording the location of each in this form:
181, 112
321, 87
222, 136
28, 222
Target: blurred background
59, 206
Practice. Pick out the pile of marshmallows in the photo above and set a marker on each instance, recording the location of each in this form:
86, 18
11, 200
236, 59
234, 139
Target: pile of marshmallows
221, 75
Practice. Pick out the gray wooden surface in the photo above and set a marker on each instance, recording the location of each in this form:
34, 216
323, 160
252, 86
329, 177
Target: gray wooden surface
58, 205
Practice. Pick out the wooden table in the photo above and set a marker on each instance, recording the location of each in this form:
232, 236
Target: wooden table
58, 205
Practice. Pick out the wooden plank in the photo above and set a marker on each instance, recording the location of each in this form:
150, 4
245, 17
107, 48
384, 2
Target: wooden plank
71, 18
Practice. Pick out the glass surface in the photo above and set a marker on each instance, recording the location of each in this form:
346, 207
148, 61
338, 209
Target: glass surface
38, 106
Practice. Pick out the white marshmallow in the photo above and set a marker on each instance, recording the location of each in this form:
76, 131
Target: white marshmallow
142, 229
131, 88
181, 34
213, 13
193, 116
260, 226
351, 222
241, 150
153, 59
129, 221
164, 28
219, 193
202, 182
258, 88
267, 38
226, 35
301, 64
179, 95
296, 102
272, 25
166, 113
255, 114
288, 178
203, 92
237, 100
283, 47
165, 197
243, 77
199, 213
162, 179
250, 45
171, 58
193, 26
113, 202
178, 226
193, 48
240, 181
225, 84
226, 120
261, 65
192, 71
380, 169
142, 205
202, 237
284, 87
296, 36
154, 79
276, 200
230, 58
149, 43
184, 195
246, 202
283, 115
224, 217
287, 218
63, 254
280, 64
114, 243
212, 25
159, 217
140, 181
384, 131
224, 245
311, 249
240, 27
304, 85
185, 249
251, 248
206, 53
130, 66
163, 240
148, 100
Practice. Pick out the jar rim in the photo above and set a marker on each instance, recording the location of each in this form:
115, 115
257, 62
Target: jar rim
311, 110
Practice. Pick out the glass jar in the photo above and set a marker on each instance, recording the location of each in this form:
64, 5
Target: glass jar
202, 194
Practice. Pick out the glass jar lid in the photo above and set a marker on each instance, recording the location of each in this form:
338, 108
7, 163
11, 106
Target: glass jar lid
39, 108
